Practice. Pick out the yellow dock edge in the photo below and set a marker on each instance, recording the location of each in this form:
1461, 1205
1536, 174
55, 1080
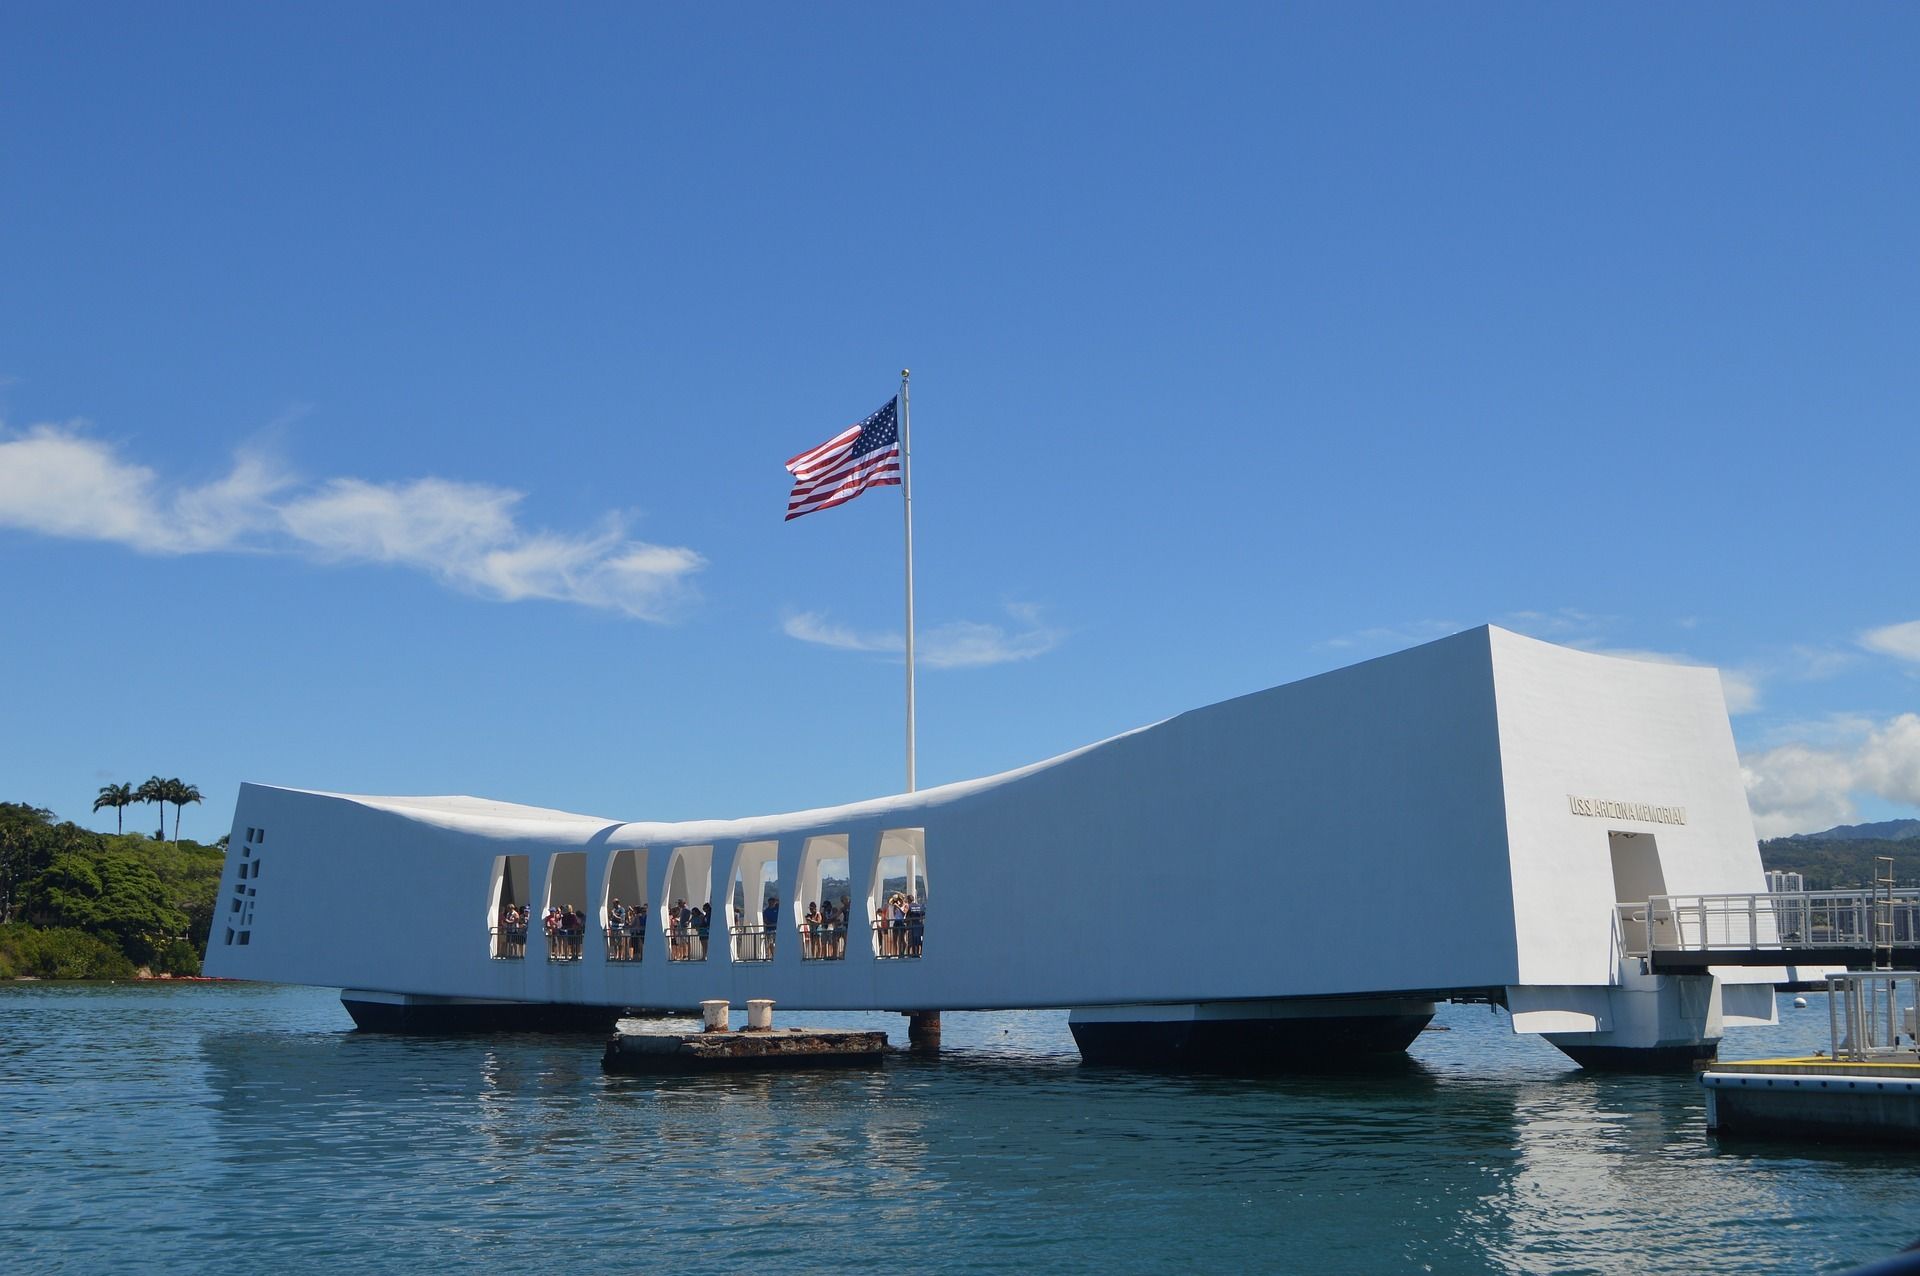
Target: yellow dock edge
1820, 1064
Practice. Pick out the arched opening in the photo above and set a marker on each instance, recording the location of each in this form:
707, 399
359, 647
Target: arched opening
687, 915
753, 904
823, 898
564, 917
623, 906
508, 910
897, 899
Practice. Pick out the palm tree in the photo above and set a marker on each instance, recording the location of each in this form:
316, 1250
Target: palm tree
119, 797
154, 793
181, 794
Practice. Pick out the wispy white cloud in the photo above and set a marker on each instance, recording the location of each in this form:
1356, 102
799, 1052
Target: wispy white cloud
1902, 640
1813, 664
1410, 633
960, 644
1566, 624
57, 480
1803, 787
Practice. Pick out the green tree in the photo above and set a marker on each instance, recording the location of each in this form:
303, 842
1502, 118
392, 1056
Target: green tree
25, 849
182, 795
153, 792
107, 893
119, 797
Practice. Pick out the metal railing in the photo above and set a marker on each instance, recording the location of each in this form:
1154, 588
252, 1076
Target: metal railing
626, 943
823, 941
1871, 1015
1810, 920
752, 943
899, 940
507, 943
686, 942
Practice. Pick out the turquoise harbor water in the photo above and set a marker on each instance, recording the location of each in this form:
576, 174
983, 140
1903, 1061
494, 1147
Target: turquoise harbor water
187, 1128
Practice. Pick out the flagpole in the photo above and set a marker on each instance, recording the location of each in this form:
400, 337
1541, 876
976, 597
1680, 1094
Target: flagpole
906, 488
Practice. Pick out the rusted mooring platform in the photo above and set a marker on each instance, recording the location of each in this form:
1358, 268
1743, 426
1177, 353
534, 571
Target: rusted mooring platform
716, 1048
651, 1052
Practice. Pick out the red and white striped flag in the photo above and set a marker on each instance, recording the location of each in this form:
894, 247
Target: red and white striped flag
859, 457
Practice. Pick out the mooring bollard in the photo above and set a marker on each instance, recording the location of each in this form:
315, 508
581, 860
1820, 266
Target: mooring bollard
715, 1014
760, 1015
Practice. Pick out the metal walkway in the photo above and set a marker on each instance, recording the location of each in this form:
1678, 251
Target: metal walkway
1871, 928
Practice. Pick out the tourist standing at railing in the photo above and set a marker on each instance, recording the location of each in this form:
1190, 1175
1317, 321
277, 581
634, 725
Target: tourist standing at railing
769, 921
636, 931
617, 931
916, 925
552, 925
703, 923
810, 932
677, 931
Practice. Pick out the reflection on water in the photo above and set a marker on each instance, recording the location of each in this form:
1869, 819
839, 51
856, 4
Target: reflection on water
247, 1127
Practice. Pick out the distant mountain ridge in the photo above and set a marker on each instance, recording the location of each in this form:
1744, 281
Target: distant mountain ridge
1884, 831
1834, 863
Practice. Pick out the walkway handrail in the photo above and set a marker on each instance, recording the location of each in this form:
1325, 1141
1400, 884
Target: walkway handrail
753, 942
899, 938
1787, 920
626, 943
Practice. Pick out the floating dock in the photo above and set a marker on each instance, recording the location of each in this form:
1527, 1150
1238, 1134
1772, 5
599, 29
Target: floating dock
1865, 1088
1817, 1097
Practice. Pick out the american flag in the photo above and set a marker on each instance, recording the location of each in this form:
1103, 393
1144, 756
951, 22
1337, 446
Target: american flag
859, 457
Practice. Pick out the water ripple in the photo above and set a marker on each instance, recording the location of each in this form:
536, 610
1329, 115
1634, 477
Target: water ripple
246, 1127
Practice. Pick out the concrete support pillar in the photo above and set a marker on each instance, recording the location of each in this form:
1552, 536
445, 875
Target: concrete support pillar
923, 1031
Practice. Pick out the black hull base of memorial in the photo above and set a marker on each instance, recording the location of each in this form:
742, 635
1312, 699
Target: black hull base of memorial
1283, 1044
413, 1013
1680, 1058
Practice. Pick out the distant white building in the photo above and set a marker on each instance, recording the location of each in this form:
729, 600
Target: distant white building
1781, 883
1303, 869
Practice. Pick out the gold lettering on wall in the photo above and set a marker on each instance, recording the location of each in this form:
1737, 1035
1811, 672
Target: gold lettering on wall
1645, 813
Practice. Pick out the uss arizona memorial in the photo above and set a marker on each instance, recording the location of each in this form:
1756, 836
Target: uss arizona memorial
1303, 868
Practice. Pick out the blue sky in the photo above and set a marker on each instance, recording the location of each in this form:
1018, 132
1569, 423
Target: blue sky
393, 399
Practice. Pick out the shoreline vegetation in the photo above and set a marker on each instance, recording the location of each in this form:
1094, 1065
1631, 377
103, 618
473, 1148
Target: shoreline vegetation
76, 904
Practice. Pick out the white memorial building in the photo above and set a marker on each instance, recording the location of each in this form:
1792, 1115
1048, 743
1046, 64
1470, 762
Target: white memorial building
1299, 872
